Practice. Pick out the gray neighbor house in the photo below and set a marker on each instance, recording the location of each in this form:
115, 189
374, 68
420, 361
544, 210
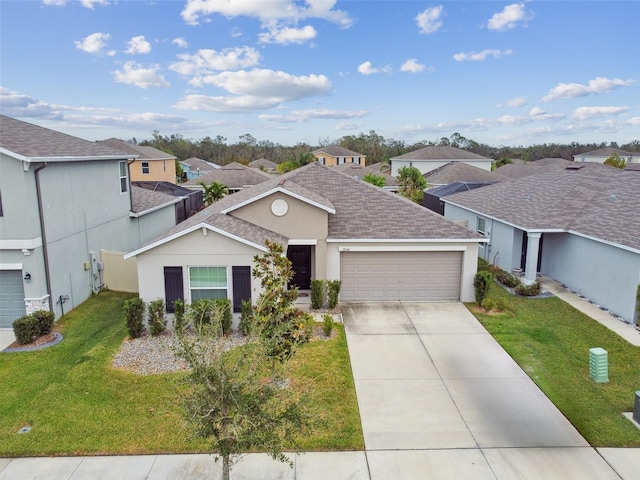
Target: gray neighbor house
579, 225
62, 200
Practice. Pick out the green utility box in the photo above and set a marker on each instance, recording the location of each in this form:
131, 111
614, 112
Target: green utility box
599, 365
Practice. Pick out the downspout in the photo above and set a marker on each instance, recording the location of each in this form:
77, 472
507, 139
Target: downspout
45, 250
129, 186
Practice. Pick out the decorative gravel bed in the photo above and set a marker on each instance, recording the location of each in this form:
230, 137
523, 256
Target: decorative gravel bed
155, 355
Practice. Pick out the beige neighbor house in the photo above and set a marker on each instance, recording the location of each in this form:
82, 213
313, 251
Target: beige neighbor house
391, 250
151, 164
334, 155
430, 158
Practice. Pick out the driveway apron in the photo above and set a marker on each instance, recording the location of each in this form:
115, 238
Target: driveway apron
439, 398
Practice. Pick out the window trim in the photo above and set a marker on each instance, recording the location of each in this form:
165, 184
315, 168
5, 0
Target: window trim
124, 187
226, 288
147, 166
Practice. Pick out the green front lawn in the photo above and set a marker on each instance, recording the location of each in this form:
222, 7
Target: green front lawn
78, 404
550, 340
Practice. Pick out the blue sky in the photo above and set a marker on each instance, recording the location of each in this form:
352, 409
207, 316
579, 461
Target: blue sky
291, 71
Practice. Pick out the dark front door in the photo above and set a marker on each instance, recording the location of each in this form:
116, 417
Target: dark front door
241, 277
300, 257
173, 286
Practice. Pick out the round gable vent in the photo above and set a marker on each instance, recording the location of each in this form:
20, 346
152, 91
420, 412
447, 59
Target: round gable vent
279, 207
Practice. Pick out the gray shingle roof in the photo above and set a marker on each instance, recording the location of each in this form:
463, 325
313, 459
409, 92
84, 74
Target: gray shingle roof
143, 152
336, 151
264, 163
512, 170
355, 170
197, 163
440, 153
32, 141
143, 199
362, 211
460, 172
233, 175
589, 198
604, 152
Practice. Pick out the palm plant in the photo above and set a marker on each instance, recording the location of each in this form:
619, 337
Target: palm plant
214, 192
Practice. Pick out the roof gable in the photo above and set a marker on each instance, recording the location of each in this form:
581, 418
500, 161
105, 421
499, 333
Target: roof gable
143, 152
336, 151
460, 172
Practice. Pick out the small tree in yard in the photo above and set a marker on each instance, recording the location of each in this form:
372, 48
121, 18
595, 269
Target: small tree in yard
281, 326
373, 179
411, 183
232, 403
481, 284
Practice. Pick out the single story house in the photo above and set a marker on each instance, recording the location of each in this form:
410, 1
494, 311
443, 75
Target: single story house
519, 170
459, 172
602, 154
196, 167
430, 158
358, 172
380, 245
579, 225
234, 176
335, 155
264, 165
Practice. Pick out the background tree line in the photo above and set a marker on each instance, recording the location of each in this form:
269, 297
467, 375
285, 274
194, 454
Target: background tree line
247, 148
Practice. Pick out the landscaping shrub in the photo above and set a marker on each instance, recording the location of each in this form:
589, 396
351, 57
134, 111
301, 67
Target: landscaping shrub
222, 314
529, 290
201, 312
246, 317
318, 293
502, 304
24, 329
157, 322
507, 279
134, 315
488, 304
327, 324
333, 287
178, 319
43, 320
481, 283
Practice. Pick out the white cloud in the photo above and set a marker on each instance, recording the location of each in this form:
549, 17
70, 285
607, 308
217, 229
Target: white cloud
596, 86
270, 84
55, 3
366, 68
515, 102
138, 45
509, 17
429, 20
208, 60
297, 116
133, 73
93, 43
536, 111
180, 42
635, 121
347, 126
266, 11
255, 90
481, 56
18, 105
85, 3
288, 35
584, 113
412, 66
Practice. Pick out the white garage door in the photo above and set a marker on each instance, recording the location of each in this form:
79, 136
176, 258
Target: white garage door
382, 276
11, 297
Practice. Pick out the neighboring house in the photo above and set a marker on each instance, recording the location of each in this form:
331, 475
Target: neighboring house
187, 202
264, 165
459, 172
433, 197
531, 168
430, 158
234, 176
392, 249
600, 155
579, 225
335, 155
150, 164
358, 172
62, 200
196, 167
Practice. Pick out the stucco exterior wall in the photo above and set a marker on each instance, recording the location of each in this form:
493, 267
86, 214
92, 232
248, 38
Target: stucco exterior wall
194, 249
159, 171
606, 275
18, 201
469, 258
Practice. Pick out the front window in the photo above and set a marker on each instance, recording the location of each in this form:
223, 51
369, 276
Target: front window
145, 168
482, 226
124, 177
207, 282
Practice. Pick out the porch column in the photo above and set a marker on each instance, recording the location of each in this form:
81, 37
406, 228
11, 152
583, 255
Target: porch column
533, 247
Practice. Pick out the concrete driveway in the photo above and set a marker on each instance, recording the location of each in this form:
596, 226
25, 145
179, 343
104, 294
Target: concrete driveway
439, 398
